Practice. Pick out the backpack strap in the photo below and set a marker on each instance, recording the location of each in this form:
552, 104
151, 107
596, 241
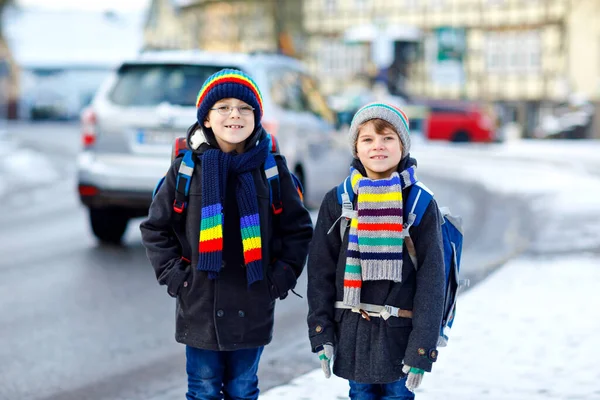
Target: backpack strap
272, 174
345, 197
419, 198
184, 178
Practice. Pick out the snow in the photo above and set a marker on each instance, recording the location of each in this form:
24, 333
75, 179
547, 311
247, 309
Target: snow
559, 177
527, 332
516, 336
23, 168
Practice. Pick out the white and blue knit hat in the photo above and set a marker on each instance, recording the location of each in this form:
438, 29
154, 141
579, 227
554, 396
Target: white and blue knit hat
386, 112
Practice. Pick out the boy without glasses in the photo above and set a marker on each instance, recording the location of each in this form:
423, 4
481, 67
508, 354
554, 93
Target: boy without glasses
242, 257
372, 309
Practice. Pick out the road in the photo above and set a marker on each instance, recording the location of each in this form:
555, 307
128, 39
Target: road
85, 321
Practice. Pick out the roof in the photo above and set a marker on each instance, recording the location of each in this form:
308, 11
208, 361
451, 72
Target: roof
46, 38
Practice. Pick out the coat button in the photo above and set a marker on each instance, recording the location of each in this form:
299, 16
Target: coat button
220, 313
185, 284
319, 329
241, 314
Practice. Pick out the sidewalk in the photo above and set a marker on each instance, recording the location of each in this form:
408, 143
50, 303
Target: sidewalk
528, 332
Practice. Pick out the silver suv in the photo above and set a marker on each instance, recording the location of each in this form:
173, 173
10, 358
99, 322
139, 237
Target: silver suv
137, 113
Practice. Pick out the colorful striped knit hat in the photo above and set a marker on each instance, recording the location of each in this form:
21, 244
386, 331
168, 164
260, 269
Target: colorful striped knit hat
386, 112
229, 83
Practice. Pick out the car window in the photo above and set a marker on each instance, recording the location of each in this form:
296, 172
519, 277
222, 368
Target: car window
152, 84
286, 90
314, 100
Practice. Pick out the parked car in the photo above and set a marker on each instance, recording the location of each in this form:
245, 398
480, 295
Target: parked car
459, 122
129, 128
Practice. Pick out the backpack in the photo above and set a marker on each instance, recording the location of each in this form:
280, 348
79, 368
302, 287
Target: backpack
186, 170
418, 200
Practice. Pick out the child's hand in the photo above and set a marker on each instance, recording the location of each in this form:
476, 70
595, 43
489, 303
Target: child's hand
325, 356
415, 377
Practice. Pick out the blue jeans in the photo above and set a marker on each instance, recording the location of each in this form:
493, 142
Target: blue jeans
385, 391
217, 375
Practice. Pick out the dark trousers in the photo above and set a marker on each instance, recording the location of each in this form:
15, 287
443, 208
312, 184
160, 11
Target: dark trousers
217, 375
386, 391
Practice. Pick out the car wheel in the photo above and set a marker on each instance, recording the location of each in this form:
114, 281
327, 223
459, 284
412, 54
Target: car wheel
461, 137
108, 224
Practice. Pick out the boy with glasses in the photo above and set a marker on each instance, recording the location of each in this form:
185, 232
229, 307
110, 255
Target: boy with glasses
246, 257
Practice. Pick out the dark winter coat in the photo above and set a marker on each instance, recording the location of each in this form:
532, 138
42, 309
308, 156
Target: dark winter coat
374, 351
225, 314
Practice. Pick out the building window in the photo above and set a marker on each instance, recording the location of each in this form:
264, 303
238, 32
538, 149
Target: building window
331, 6
341, 60
513, 52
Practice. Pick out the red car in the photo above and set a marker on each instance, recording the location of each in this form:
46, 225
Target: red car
464, 123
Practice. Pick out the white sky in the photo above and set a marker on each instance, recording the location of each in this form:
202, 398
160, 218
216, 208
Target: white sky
119, 5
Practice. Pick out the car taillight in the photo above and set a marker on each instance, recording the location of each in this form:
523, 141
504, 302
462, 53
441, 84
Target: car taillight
87, 190
271, 127
88, 127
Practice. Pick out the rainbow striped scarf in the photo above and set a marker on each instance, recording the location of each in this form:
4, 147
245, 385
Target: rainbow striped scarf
216, 167
376, 235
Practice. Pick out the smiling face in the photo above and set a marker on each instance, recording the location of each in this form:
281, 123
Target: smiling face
378, 148
230, 130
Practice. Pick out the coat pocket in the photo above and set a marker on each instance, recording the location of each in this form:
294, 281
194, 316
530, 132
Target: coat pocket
397, 333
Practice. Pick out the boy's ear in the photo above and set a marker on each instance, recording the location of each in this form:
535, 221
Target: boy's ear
206, 123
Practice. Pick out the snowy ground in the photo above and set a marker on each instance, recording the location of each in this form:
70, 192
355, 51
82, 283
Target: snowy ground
528, 331
23, 168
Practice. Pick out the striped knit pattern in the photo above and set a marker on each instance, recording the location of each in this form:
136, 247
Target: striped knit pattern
375, 240
229, 76
216, 166
386, 112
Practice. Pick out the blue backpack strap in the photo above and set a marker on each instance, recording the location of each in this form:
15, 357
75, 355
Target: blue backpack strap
345, 188
272, 174
419, 198
158, 185
345, 197
184, 178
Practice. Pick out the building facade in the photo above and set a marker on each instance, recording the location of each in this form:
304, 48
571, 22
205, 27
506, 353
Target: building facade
525, 57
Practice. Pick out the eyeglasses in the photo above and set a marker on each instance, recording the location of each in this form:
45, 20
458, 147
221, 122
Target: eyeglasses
226, 110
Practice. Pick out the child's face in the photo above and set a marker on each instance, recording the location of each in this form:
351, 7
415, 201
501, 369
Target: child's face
233, 128
379, 153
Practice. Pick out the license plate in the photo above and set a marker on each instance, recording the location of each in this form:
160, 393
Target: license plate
158, 138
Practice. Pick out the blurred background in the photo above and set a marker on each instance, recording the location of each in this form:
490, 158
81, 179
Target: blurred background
501, 95
524, 68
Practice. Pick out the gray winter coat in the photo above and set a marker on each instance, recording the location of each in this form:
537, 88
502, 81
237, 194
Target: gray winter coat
225, 314
374, 351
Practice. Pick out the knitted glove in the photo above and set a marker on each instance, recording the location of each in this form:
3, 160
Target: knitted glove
325, 355
415, 377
